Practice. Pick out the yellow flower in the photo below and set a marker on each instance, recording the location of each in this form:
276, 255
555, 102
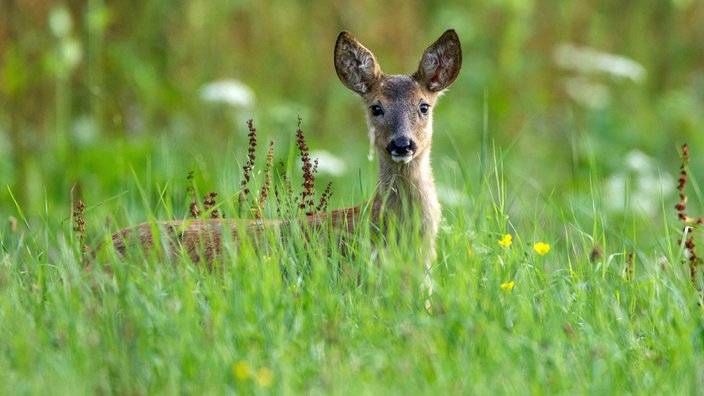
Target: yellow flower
507, 286
506, 240
242, 370
542, 248
265, 377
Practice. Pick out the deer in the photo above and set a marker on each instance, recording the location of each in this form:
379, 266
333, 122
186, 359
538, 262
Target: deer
399, 114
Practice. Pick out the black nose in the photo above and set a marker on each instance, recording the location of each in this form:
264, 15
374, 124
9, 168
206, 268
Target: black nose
401, 146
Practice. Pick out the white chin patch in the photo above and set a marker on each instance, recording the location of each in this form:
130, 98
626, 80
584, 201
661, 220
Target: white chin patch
401, 159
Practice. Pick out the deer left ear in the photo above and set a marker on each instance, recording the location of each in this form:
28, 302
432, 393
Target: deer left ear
355, 65
441, 62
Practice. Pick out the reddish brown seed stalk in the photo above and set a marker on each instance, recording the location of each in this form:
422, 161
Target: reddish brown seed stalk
324, 198
247, 169
689, 224
306, 203
193, 208
264, 195
209, 203
79, 225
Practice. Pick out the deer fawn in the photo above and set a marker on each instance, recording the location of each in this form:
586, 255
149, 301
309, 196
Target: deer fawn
400, 117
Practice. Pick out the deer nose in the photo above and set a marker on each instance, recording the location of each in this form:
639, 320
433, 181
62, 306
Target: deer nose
401, 149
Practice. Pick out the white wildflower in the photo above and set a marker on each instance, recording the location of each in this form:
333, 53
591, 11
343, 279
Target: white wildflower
231, 92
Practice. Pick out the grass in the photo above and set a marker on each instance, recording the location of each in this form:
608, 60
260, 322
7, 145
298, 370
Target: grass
283, 321
102, 104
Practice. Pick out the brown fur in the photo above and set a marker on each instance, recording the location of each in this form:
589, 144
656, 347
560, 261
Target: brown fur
202, 239
407, 189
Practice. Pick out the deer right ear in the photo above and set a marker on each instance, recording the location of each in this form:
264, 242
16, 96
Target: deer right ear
355, 65
441, 62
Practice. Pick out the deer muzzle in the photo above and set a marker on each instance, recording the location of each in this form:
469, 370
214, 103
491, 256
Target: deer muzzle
401, 149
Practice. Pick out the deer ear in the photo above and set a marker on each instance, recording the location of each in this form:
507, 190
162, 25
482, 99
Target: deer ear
441, 62
355, 65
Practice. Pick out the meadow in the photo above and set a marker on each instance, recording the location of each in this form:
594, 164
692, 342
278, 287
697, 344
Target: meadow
563, 261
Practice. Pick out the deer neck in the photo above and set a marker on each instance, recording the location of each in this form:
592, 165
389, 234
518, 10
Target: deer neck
407, 193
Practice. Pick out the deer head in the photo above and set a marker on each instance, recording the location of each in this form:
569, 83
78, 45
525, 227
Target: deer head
399, 107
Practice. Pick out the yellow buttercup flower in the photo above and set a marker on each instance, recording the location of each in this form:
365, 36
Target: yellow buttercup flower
242, 370
507, 286
265, 377
506, 240
542, 248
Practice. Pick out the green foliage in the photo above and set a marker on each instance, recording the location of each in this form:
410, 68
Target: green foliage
80, 78
101, 101
594, 313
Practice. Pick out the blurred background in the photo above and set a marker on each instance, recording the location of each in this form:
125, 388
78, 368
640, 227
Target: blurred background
118, 101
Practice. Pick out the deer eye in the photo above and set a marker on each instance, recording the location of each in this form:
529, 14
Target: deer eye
424, 108
376, 110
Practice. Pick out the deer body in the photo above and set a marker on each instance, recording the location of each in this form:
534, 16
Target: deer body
203, 239
399, 116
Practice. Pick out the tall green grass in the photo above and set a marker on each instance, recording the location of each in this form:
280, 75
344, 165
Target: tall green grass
597, 313
610, 309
